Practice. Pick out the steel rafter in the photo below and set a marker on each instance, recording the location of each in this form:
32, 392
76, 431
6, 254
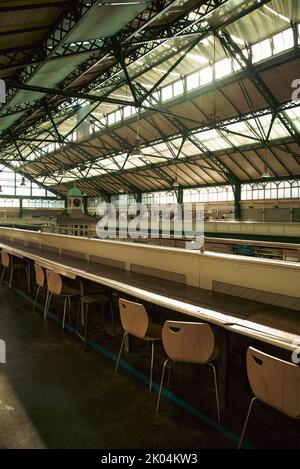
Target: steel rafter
191, 25
48, 47
186, 135
189, 133
237, 54
138, 27
66, 24
65, 51
164, 164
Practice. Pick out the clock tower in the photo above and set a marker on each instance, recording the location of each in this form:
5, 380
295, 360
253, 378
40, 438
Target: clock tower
75, 206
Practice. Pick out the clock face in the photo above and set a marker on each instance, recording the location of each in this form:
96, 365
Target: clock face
76, 203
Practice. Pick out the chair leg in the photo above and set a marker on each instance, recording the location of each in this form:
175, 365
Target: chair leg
246, 421
151, 367
64, 316
216, 390
161, 383
121, 348
69, 304
81, 305
3, 272
112, 319
46, 304
36, 297
11, 277
169, 373
86, 324
28, 278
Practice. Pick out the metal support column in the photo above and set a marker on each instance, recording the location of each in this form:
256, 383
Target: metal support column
21, 208
237, 200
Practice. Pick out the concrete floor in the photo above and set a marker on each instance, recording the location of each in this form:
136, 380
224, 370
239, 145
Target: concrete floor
55, 395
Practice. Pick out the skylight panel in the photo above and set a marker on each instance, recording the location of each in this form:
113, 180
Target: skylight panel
238, 140
212, 140
178, 88
278, 130
262, 50
111, 118
294, 115
96, 172
217, 144
167, 93
223, 68
197, 58
206, 75
283, 41
192, 81
279, 15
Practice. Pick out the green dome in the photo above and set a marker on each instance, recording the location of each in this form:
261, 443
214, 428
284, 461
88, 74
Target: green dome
74, 192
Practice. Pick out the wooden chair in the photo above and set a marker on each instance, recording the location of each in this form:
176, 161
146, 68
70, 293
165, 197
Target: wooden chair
135, 322
56, 287
274, 382
189, 342
9, 264
40, 279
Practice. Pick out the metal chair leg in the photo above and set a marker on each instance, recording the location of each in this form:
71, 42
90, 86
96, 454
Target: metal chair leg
28, 279
77, 320
216, 390
3, 272
151, 367
169, 373
36, 297
86, 324
11, 277
246, 421
64, 316
69, 311
112, 319
48, 299
120, 352
161, 383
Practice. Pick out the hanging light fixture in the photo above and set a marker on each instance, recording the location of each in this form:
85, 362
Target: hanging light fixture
23, 183
213, 117
175, 183
60, 172
137, 151
266, 171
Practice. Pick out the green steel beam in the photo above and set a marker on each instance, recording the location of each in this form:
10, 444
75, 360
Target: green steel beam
236, 53
165, 164
190, 133
138, 27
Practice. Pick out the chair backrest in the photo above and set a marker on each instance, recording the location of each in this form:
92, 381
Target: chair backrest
5, 259
54, 282
134, 318
274, 381
190, 342
39, 275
